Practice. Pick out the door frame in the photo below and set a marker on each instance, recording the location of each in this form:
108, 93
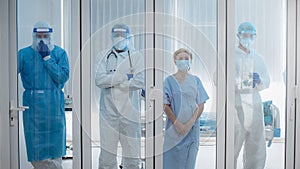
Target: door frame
291, 84
5, 154
297, 91
9, 49
13, 83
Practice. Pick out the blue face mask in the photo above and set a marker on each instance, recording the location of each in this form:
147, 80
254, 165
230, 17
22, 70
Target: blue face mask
246, 42
183, 65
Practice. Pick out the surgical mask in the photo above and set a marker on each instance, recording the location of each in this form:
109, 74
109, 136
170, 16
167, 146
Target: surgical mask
183, 65
246, 42
120, 43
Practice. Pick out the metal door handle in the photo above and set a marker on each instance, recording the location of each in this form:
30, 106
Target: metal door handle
22, 108
13, 112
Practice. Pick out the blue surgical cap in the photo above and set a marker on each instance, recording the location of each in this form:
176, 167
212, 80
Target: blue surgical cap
246, 27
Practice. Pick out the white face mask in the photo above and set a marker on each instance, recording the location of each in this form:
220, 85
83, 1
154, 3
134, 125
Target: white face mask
183, 65
246, 42
120, 43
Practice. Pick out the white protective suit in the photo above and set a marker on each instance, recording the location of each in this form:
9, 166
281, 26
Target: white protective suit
119, 109
249, 117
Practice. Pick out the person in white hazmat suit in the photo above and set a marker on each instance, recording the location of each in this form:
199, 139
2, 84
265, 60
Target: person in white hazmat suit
251, 77
120, 76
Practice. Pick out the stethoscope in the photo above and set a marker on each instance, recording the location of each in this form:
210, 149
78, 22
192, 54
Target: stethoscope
113, 68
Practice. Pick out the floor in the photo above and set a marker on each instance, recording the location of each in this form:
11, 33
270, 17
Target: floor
206, 157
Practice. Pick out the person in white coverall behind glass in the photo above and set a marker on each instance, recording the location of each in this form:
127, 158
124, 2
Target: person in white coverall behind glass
251, 77
120, 76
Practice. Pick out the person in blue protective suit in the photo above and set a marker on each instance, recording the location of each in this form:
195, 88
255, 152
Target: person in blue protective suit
184, 98
120, 76
44, 69
251, 77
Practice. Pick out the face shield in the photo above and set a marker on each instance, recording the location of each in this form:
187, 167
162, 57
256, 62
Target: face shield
246, 34
120, 37
42, 32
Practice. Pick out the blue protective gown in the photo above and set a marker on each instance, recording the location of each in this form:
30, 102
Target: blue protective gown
181, 151
44, 122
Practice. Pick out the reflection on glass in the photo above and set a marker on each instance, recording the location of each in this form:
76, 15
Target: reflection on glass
117, 44
44, 69
262, 111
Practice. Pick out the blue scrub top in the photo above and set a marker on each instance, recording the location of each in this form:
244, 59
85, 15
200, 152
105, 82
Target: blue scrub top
44, 121
183, 99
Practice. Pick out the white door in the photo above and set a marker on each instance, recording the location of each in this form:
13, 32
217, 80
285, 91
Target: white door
263, 78
58, 15
98, 18
196, 26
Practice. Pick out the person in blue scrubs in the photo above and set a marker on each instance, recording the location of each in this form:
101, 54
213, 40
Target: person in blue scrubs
184, 98
44, 69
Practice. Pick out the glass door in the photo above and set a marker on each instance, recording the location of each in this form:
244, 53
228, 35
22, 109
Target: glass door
190, 26
47, 121
117, 48
261, 122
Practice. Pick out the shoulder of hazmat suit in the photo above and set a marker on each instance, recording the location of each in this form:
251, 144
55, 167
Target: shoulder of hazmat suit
44, 121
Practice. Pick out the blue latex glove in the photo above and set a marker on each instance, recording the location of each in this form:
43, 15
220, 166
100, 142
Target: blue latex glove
129, 76
269, 143
143, 93
256, 79
43, 49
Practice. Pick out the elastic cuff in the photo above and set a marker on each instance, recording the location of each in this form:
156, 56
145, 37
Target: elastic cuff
46, 58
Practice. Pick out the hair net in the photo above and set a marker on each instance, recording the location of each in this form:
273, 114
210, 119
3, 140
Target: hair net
45, 28
246, 27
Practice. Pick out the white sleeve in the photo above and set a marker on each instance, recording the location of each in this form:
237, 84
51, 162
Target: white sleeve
138, 80
264, 75
105, 80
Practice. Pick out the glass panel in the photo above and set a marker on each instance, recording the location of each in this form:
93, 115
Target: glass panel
260, 59
191, 25
43, 83
117, 105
